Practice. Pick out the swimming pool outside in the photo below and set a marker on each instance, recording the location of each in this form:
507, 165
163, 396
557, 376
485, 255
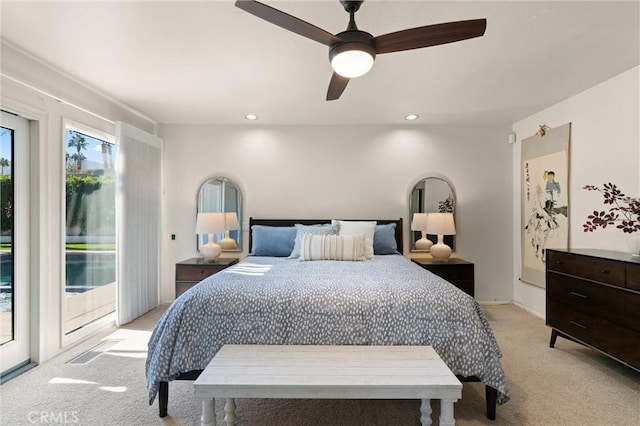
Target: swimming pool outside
85, 270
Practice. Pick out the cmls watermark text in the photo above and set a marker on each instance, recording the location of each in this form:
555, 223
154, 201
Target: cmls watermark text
53, 418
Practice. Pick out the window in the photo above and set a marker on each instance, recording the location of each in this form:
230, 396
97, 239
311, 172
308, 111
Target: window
90, 237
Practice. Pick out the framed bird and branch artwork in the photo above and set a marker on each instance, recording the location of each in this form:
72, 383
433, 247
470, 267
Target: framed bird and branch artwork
545, 198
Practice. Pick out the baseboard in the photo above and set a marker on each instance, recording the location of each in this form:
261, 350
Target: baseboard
532, 312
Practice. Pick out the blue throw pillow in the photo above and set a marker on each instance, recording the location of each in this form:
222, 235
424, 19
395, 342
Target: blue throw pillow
384, 239
322, 229
274, 241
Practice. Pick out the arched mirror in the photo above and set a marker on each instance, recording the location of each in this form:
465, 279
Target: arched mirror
430, 195
222, 195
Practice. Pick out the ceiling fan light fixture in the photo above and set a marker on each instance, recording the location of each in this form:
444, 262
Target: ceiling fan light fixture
354, 56
352, 63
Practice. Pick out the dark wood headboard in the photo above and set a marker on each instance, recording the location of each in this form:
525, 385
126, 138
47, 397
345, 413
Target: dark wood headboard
292, 222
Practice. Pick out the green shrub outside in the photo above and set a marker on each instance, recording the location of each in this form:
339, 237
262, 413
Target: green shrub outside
6, 199
90, 204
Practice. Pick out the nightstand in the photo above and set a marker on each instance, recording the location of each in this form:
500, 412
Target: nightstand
457, 271
191, 271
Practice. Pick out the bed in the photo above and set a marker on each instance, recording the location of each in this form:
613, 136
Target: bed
276, 300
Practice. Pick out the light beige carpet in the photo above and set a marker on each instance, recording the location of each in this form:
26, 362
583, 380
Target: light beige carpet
568, 385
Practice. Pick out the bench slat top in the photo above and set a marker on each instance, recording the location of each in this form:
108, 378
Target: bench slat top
325, 367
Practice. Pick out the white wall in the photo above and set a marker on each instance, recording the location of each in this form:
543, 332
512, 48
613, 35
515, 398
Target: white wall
605, 147
46, 172
351, 172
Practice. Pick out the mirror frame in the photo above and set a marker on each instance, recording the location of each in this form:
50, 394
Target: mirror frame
448, 239
239, 199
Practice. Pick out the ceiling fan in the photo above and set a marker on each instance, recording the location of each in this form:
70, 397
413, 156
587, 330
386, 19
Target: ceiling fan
353, 51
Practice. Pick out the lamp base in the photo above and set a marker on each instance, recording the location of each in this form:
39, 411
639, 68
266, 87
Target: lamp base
440, 252
227, 243
210, 251
424, 244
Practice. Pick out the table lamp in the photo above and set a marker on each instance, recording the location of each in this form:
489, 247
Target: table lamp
209, 224
419, 223
230, 224
440, 224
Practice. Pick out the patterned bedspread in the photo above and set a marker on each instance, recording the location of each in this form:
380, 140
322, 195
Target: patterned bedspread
387, 300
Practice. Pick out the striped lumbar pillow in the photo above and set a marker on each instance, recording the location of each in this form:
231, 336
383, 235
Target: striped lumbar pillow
332, 247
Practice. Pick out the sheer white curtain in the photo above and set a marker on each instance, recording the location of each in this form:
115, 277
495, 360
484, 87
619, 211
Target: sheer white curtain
138, 222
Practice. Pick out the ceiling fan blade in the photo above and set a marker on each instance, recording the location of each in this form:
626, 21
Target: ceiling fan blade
336, 86
288, 22
430, 35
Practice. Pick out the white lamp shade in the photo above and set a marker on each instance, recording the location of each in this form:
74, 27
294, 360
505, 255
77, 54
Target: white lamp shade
210, 223
231, 221
440, 224
352, 63
419, 222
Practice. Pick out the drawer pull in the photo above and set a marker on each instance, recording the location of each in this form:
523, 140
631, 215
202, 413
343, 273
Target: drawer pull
584, 296
578, 325
605, 271
558, 262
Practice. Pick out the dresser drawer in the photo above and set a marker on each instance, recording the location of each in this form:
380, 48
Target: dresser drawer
590, 329
590, 298
633, 276
631, 353
633, 311
196, 272
592, 268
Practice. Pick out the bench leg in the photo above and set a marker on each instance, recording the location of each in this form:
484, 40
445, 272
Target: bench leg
230, 412
446, 412
491, 396
425, 412
163, 398
208, 413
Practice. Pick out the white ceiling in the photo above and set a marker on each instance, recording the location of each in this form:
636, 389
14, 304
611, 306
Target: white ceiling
209, 62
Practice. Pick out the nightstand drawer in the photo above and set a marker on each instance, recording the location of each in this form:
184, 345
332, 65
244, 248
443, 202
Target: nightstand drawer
191, 271
196, 272
457, 271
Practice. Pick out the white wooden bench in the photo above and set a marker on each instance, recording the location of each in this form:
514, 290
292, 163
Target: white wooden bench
327, 372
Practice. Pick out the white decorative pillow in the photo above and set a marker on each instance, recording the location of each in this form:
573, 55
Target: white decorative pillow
366, 228
332, 247
322, 229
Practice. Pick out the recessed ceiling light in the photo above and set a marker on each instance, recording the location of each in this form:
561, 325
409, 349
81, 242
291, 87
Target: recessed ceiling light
251, 117
411, 117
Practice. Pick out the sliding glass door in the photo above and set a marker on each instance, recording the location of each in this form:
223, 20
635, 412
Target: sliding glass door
14, 240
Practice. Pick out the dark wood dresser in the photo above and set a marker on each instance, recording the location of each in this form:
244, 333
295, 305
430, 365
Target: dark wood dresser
455, 270
593, 298
191, 271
